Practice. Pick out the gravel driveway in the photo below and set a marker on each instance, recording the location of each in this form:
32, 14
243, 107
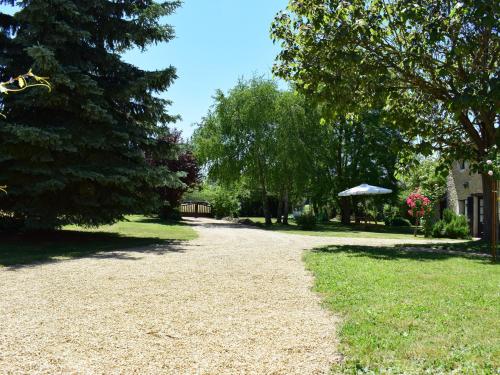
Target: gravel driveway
235, 301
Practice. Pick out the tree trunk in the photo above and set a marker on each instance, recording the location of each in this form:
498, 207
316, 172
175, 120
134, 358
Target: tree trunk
265, 207
488, 205
280, 210
265, 198
357, 219
285, 207
316, 209
345, 210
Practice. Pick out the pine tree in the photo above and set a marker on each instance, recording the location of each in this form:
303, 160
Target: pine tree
77, 155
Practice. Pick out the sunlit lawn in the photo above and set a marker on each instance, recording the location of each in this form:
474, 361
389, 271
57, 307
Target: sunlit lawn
75, 241
410, 312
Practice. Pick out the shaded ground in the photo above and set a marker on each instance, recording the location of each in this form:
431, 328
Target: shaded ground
336, 229
73, 242
237, 300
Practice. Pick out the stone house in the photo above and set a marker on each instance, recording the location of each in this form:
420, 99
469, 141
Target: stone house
465, 195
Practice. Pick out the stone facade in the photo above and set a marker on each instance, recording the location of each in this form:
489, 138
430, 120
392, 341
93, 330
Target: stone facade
462, 184
465, 195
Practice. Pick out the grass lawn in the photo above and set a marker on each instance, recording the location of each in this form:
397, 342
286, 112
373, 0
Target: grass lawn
75, 241
336, 229
409, 312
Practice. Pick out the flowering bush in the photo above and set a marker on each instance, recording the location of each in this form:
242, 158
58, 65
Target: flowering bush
419, 206
492, 163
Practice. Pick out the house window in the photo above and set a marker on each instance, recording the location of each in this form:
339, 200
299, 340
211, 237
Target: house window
462, 165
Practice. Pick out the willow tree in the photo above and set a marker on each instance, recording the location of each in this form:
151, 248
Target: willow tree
78, 154
434, 64
236, 139
297, 133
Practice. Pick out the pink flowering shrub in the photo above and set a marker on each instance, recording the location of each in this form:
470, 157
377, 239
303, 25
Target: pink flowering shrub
419, 205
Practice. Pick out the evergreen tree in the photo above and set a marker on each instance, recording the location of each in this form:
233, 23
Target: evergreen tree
77, 155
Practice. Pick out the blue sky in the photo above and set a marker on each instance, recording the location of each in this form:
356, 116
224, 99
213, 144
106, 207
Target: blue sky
217, 41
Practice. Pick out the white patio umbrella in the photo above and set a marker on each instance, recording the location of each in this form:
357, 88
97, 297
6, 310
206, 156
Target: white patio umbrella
365, 189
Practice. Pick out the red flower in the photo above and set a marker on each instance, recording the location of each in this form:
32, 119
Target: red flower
418, 204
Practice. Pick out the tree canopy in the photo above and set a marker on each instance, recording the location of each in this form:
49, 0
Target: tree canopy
434, 66
275, 142
236, 138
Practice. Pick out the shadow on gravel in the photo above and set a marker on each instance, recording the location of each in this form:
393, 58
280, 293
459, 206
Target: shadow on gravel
424, 252
224, 224
20, 250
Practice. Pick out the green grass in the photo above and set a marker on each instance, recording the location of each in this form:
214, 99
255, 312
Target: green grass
336, 229
410, 312
476, 246
73, 241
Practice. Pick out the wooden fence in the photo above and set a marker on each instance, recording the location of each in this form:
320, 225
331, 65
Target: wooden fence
196, 209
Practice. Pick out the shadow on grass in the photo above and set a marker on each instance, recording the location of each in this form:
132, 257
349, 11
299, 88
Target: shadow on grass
18, 250
425, 252
470, 247
157, 220
336, 227
354, 228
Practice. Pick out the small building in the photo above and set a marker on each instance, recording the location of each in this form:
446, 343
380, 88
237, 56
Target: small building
465, 196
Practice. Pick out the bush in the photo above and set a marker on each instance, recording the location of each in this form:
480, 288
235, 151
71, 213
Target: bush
10, 223
457, 228
306, 221
451, 226
448, 215
168, 213
428, 225
225, 203
438, 229
390, 213
398, 221
322, 217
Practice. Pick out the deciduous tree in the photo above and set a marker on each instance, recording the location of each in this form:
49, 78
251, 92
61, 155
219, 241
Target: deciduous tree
180, 160
237, 137
434, 64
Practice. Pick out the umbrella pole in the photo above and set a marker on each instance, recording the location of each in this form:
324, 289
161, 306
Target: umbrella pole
366, 214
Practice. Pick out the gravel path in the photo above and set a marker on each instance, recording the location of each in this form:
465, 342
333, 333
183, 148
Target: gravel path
235, 301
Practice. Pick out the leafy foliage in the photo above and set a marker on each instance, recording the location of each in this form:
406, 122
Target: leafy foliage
451, 226
225, 202
179, 160
432, 66
427, 175
255, 135
78, 154
306, 220
275, 142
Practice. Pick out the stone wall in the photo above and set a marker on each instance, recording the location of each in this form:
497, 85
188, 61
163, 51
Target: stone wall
462, 184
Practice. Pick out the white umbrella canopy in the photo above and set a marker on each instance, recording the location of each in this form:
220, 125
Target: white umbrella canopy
365, 189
